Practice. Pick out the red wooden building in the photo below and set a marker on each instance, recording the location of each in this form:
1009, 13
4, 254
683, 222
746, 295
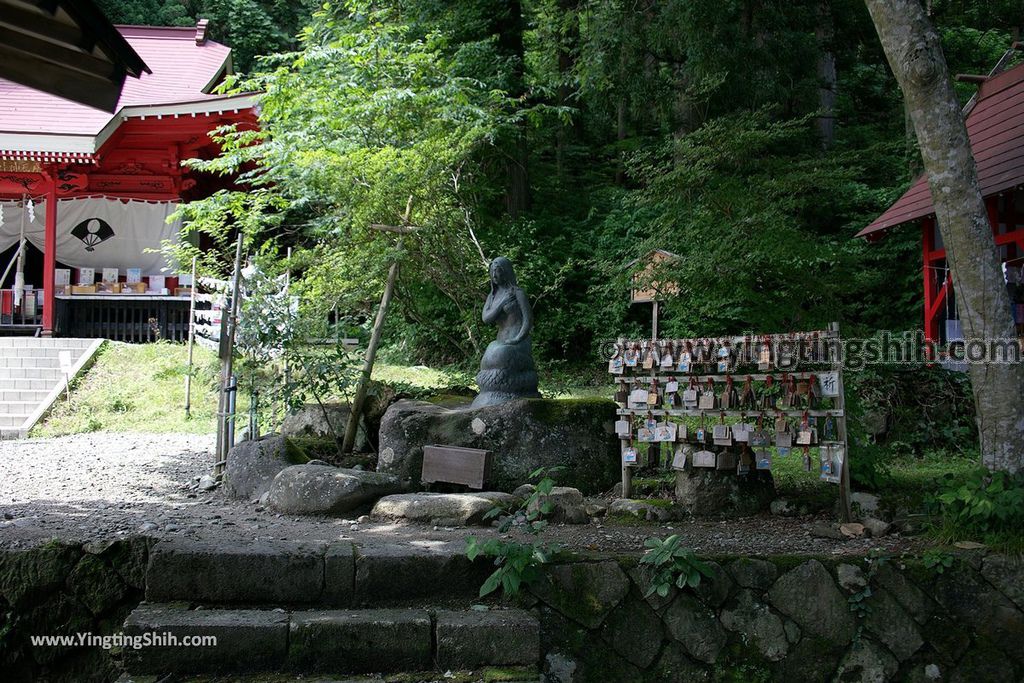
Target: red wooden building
995, 124
86, 190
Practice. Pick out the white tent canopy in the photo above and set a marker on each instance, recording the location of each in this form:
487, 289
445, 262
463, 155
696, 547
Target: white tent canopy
97, 232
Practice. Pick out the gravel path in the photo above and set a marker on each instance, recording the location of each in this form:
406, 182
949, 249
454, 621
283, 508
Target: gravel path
106, 485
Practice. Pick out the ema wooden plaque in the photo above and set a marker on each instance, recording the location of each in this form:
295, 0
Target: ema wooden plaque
456, 465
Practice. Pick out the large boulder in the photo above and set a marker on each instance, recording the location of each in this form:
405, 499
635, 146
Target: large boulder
326, 422
327, 490
707, 492
252, 465
523, 435
445, 509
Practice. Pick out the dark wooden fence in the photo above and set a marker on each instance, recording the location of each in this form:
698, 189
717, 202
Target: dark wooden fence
127, 320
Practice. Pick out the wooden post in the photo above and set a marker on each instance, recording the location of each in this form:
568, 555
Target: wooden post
49, 254
845, 512
191, 342
227, 349
654, 321
371, 355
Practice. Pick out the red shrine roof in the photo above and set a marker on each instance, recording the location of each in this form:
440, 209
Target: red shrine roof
996, 129
185, 68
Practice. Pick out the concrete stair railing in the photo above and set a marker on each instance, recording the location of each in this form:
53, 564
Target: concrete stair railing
293, 607
31, 378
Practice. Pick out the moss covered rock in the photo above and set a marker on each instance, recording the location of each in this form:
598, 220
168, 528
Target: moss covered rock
253, 464
577, 434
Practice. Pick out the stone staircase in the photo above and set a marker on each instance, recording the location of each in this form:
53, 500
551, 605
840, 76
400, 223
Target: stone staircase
293, 608
31, 378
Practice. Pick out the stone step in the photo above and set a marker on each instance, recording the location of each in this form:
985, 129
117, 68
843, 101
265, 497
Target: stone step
49, 362
25, 384
24, 395
328, 641
9, 420
32, 373
337, 574
44, 343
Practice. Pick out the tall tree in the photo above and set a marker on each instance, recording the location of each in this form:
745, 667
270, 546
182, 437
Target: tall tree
912, 47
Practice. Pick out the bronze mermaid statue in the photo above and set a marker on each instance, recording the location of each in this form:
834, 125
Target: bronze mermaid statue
507, 371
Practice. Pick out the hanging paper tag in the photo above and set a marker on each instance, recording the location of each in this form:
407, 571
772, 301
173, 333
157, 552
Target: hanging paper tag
764, 460
828, 383
666, 360
665, 431
704, 459
629, 456
638, 399
726, 460
783, 440
672, 387
690, 398
803, 437
679, 458
721, 435
681, 431
759, 437
622, 428
616, 366
707, 400
645, 435
741, 432
684, 362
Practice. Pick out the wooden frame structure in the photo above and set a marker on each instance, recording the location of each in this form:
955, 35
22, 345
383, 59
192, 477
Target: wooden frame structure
832, 363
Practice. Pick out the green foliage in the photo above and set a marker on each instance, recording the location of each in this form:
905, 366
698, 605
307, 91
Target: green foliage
937, 560
987, 506
518, 563
669, 563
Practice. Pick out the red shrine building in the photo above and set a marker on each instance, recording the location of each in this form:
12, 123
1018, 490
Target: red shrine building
995, 125
85, 194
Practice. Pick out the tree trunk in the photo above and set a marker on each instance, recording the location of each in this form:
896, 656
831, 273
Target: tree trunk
509, 29
568, 39
912, 47
825, 32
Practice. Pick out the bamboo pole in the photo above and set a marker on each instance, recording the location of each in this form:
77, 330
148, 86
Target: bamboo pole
371, 355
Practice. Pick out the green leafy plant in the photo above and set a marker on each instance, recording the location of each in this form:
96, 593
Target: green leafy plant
669, 563
516, 562
937, 560
987, 505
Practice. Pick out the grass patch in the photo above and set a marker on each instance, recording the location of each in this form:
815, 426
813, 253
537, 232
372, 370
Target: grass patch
138, 387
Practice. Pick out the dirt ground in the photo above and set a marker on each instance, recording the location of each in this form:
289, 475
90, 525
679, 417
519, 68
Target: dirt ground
105, 485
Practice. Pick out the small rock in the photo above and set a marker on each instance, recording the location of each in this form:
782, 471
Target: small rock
362, 519
783, 507
876, 527
867, 503
595, 509
317, 461
640, 509
207, 483
851, 578
524, 491
852, 529
822, 530
148, 526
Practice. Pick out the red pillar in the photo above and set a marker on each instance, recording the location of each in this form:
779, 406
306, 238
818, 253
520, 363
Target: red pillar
931, 326
49, 254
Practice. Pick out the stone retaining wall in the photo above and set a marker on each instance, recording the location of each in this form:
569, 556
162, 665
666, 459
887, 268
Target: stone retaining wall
788, 619
62, 590
771, 619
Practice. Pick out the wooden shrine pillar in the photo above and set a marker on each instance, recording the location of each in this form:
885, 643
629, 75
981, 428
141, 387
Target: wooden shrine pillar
50, 254
931, 291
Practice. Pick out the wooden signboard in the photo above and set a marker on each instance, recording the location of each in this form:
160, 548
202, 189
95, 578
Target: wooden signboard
456, 465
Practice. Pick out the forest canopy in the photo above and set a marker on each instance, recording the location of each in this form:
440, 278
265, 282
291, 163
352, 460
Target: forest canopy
573, 137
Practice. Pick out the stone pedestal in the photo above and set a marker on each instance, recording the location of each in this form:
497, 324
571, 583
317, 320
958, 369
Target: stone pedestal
707, 492
523, 435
